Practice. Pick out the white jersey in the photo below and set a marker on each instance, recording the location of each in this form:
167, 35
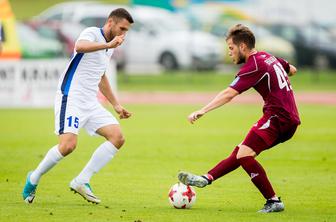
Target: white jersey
79, 82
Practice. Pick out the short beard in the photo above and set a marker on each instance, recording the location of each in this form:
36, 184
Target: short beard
111, 35
241, 58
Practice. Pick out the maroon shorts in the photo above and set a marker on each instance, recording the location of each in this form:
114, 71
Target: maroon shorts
269, 131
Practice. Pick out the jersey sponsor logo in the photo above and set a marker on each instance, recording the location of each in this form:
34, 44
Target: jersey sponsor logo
265, 125
253, 175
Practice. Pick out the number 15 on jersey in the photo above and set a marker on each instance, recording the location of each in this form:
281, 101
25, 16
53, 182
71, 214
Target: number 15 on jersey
73, 122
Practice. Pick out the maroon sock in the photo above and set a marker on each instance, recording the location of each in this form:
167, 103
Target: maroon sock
225, 166
258, 176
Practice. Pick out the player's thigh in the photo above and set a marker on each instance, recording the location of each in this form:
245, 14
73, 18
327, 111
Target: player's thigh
263, 135
112, 133
288, 131
100, 118
245, 151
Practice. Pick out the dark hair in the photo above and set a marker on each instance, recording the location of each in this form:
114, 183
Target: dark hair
241, 34
121, 13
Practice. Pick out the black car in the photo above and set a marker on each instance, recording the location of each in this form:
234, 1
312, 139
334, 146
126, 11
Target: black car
313, 45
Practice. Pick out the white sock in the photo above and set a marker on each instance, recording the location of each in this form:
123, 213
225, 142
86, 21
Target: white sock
50, 160
103, 154
275, 198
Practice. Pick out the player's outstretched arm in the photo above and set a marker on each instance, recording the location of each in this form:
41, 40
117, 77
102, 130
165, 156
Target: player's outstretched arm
106, 90
222, 98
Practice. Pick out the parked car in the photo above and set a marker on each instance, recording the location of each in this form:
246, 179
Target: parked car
157, 37
34, 45
66, 11
175, 45
65, 32
314, 46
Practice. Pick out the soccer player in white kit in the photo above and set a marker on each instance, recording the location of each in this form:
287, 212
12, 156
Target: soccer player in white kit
77, 106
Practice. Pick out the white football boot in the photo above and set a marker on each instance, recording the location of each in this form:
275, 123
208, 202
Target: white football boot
273, 206
193, 180
84, 190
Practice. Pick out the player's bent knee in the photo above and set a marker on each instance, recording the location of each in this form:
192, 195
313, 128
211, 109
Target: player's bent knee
117, 140
245, 151
67, 143
67, 148
122, 140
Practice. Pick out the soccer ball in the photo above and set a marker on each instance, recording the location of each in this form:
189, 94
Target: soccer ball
181, 196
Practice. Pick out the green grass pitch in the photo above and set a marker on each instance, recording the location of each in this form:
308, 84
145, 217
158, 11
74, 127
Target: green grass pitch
159, 143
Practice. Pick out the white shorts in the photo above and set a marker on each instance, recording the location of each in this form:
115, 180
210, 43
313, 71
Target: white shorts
70, 117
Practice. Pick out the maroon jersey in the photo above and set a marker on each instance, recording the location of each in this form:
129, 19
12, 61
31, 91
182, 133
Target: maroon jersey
268, 76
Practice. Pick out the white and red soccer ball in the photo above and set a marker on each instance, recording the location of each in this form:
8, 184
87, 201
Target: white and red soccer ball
181, 196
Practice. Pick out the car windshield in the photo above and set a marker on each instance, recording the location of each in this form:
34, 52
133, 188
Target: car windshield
72, 30
26, 32
47, 32
170, 23
175, 24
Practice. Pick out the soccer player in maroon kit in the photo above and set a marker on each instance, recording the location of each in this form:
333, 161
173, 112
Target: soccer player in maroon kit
268, 76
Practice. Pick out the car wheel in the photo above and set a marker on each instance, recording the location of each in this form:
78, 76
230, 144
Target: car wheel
168, 61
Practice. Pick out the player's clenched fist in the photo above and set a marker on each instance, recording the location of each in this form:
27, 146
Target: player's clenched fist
116, 41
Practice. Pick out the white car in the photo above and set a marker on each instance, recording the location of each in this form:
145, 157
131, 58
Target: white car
157, 37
